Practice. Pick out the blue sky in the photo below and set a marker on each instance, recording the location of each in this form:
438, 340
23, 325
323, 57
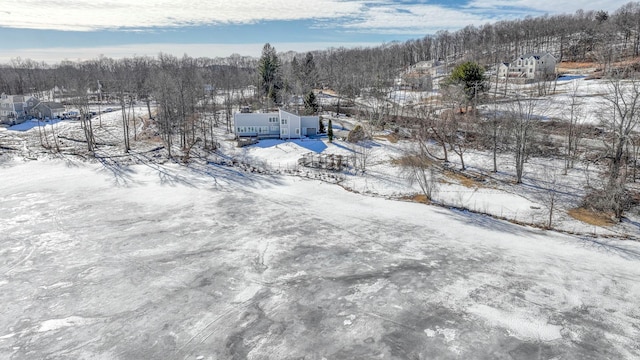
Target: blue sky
54, 30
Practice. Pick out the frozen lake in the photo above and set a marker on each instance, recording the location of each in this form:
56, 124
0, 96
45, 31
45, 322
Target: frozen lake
166, 262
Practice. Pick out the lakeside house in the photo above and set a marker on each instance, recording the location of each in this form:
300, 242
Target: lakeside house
276, 125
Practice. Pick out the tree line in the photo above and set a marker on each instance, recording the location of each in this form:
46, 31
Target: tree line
188, 97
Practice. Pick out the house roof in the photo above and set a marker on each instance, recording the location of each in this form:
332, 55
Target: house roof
536, 56
52, 105
16, 98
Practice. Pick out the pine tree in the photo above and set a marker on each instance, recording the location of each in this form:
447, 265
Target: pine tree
310, 103
320, 126
330, 131
471, 76
269, 70
309, 72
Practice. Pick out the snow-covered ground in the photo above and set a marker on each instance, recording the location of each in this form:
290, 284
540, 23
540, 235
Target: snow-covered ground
207, 262
247, 254
495, 194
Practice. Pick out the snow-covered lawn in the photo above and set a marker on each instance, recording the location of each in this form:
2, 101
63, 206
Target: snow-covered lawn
205, 262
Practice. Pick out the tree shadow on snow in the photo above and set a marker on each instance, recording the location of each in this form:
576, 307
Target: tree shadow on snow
225, 175
122, 175
315, 145
336, 144
311, 144
490, 223
629, 252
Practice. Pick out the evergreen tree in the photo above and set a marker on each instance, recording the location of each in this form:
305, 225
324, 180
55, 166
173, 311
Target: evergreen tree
309, 72
270, 76
310, 103
471, 76
330, 131
320, 126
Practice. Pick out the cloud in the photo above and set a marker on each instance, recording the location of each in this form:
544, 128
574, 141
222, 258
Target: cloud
545, 6
55, 55
88, 15
379, 16
414, 19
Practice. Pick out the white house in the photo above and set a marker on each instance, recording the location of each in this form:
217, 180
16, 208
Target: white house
529, 66
281, 124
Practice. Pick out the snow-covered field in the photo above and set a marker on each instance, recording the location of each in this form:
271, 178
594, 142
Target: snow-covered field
246, 254
205, 262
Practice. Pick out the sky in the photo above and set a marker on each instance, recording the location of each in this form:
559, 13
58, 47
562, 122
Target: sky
56, 30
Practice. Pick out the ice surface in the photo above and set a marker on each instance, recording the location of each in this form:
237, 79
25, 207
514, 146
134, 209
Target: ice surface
170, 261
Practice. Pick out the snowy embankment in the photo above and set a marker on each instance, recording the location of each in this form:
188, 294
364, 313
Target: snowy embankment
166, 261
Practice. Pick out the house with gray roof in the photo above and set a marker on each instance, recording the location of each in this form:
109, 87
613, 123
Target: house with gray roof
48, 109
15, 109
529, 66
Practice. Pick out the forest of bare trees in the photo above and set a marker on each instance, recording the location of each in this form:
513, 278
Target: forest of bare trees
584, 36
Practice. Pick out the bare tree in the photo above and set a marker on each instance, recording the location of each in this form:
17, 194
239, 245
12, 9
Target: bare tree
550, 194
431, 127
417, 167
361, 154
574, 132
123, 85
620, 117
455, 124
522, 121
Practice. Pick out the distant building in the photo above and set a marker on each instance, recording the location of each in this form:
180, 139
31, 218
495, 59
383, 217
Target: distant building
279, 125
529, 66
433, 68
15, 109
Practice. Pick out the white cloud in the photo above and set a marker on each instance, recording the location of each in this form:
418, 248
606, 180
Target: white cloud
55, 55
86, 15
417, 18
382, 16
551, 7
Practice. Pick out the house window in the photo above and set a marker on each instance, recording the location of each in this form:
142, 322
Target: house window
274, 128
297, 131
284, 121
